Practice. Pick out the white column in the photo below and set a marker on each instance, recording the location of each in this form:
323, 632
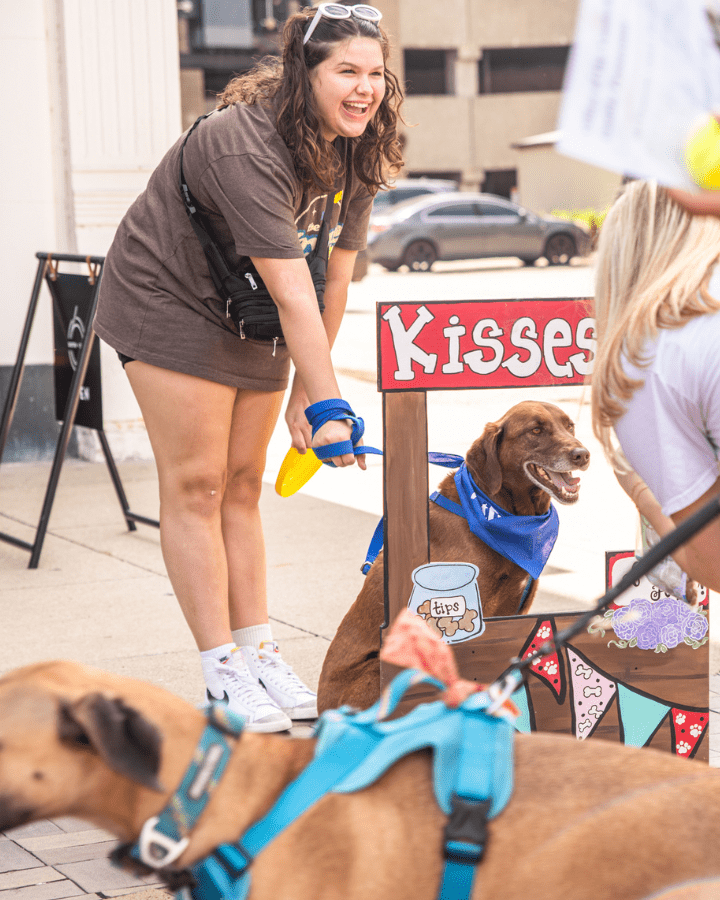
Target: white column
123, 74
90, 102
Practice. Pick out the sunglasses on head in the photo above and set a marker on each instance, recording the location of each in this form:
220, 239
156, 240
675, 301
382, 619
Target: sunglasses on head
338, 11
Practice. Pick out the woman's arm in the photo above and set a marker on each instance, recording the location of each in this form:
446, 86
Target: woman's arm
700, 556
291, 287
339, 276
703, 551
698, 203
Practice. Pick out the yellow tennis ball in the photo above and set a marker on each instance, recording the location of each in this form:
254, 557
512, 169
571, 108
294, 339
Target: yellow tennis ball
702, 155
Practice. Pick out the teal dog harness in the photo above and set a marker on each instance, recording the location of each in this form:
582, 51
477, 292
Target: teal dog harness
472, 778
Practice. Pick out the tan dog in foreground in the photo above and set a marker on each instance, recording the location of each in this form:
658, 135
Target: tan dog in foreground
521, 462
587, 821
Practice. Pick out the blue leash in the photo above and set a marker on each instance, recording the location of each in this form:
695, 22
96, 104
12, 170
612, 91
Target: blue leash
328, 410
325, 411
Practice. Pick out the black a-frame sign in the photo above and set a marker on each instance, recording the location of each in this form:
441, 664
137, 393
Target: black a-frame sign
78, 389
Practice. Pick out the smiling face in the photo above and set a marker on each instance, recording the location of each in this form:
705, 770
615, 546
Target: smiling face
348, 87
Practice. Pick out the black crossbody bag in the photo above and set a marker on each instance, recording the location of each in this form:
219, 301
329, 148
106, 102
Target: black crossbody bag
247, 301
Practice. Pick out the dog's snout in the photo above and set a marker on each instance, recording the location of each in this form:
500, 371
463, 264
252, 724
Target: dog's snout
580, 456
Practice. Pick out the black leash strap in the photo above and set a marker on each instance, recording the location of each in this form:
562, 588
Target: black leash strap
665, 547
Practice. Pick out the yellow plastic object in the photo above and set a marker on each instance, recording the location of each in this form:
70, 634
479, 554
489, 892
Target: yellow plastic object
296, 470
702, 155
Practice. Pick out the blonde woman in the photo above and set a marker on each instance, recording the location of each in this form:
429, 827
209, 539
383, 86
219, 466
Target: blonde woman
656, 378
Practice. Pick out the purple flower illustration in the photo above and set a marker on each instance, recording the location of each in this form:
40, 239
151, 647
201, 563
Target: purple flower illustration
642, 610
663, 622
666, 611
624, 623
648, 635
671, 635
696, 627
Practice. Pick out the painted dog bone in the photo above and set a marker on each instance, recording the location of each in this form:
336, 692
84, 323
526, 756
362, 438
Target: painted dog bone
592, 692
595, 711
585, 671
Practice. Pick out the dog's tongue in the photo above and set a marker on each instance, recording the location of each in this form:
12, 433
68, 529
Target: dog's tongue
564, 480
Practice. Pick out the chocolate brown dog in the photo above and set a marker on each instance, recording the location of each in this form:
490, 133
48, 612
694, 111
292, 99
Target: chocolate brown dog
586, 820
520, 462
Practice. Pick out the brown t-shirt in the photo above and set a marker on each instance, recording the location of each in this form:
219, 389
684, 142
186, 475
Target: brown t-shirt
157, 300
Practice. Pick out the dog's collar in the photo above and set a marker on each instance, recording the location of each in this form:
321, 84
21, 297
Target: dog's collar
164, 837
472, 780
525, 540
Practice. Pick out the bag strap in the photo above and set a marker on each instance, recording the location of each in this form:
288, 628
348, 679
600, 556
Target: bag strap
192, 207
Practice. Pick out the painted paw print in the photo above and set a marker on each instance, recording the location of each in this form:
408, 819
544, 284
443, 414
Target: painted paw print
544, 632
696, 730
551, 667
679, 719
683, 747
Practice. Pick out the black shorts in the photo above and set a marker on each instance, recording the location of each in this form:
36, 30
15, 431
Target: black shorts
124, 359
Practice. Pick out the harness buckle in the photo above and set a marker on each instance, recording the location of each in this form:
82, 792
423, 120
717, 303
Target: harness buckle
156, 849
466, 830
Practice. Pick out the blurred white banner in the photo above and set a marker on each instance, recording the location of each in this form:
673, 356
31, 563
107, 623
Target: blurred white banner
642, 76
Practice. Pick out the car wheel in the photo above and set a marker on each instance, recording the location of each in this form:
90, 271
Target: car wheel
560, 249
420, 256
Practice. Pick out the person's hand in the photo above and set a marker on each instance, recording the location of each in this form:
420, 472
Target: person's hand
335, 431
297, 423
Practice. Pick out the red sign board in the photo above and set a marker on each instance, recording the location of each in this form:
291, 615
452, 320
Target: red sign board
446, 345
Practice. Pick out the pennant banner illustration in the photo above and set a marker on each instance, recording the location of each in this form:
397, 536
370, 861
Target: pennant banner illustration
547, 668
640, 716
688, 727
592, 694
525, 722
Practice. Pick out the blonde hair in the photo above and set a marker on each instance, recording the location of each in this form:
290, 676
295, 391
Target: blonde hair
653, 265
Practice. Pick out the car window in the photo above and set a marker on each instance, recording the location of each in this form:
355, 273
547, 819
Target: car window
495, 209
454, 209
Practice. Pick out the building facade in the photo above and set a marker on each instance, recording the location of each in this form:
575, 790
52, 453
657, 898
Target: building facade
480, 76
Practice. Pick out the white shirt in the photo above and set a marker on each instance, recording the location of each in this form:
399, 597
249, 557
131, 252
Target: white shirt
671, 430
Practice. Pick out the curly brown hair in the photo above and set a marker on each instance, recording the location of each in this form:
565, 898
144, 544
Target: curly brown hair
284, 84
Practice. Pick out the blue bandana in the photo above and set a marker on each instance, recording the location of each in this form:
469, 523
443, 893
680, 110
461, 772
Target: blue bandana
525, 540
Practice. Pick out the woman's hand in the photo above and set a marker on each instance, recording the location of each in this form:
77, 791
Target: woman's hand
297, 423
335, 431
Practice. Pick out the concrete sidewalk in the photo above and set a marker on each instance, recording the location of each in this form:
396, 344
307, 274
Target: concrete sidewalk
101, 596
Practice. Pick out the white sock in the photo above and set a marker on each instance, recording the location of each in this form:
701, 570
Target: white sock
252, 636
221, 652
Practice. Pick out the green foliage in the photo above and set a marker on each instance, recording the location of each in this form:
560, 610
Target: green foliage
591, 217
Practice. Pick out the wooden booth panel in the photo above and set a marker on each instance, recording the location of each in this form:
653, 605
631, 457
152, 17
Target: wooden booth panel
593, 688
600, 685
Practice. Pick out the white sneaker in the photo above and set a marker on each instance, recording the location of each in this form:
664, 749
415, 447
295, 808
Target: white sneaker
281, 683
230, 681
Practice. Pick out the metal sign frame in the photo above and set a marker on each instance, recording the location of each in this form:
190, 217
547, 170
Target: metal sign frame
80, 339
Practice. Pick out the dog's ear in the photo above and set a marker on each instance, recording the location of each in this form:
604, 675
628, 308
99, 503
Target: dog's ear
119, 734
483, 460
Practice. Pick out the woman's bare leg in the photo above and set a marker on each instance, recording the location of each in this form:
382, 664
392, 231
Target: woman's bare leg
188, 421
254, 417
